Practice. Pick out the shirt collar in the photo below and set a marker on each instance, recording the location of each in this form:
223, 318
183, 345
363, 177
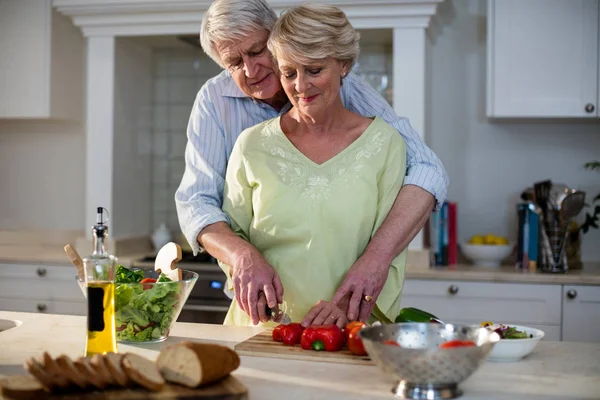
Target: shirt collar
231, 89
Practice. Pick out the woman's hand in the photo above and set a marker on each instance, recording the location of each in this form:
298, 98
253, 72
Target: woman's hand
251, 276
363, 283
325, 313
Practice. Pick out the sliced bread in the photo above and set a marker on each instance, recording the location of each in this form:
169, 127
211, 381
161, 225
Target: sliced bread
113, 364
36, 369
99, 365
142, 371
54, 371
195, 364
68, 369
21, 387
86, 369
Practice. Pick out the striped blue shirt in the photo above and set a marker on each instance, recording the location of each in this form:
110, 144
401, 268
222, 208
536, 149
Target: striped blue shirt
222, 111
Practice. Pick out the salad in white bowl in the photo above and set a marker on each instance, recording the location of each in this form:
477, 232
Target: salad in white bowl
515, 342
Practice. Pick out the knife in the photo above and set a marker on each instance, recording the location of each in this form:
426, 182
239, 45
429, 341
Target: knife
278, 315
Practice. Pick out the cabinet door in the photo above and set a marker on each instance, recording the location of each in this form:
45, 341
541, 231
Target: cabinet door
537, 306
39, 282
581, 313
542, 58
43, 306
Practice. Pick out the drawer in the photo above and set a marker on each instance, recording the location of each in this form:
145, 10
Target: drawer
474, 302
39, 282
43, 306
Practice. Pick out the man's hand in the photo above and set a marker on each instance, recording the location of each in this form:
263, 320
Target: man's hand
325, 313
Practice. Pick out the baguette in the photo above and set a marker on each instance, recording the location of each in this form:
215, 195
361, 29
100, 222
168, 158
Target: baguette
85, 368
21, 387
195, 364
99, 365
142, 371
54, 372
34, 367
113, 364
68, 369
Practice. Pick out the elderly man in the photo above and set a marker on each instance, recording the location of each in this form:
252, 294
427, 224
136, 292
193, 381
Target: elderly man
234, 34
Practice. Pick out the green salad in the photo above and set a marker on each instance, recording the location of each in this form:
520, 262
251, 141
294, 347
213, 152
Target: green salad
143, 311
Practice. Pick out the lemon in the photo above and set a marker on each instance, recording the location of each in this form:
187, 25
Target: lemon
489, 239
477, 239
501, 240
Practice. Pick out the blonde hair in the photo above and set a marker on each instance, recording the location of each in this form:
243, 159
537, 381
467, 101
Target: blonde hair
314, 32
227, 20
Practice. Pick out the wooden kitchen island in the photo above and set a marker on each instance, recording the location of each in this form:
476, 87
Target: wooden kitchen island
555, 370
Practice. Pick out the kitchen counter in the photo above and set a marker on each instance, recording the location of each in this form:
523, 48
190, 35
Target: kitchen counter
589, 275
555, 370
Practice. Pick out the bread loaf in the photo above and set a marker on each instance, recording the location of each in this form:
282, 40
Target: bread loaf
86, 369
142, 371
195, 364
21, 387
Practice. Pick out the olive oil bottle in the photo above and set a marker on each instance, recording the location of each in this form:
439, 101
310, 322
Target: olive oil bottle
99, 270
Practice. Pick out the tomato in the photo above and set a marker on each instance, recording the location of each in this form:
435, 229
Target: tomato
391, 343
147, 280
351, 326
355, 344
121, 328
457, 343
278, 333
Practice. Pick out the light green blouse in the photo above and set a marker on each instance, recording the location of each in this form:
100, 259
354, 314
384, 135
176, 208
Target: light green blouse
311, 222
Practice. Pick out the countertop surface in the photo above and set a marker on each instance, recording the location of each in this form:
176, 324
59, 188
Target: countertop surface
553, 371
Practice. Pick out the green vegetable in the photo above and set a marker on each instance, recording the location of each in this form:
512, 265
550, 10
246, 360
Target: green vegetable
143, 315
411, 314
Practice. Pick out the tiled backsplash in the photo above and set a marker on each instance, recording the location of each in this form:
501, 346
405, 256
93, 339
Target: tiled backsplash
178, 75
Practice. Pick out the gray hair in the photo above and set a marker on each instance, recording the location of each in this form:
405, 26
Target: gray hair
227, 20
314, 32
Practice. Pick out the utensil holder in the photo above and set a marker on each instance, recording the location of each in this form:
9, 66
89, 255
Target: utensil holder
553, 254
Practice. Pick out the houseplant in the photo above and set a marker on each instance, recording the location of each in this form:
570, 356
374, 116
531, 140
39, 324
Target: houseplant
591, 218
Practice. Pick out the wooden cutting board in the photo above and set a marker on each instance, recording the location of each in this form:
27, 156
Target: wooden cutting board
263, 345
227, 389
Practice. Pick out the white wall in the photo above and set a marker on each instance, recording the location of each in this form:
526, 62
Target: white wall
42, 173
490, 162
130, 215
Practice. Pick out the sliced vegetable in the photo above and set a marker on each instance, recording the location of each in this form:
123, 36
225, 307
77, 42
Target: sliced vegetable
147, 280
506, 331
457, 343
411, 314
391, 343
331, 337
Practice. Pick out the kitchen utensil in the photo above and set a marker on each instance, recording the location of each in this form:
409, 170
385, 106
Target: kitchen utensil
263, 345
75, 259
571, 206
516, 349
558, 191
166, 261
542, 193
137, 321
422, 368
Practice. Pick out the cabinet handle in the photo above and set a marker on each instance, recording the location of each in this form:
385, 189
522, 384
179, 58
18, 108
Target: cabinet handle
589, 108
42, 307
453, 289
571, 294
41, 271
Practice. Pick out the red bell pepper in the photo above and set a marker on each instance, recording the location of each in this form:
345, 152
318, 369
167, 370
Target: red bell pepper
354, 342
322, 337
289, 334
147, 280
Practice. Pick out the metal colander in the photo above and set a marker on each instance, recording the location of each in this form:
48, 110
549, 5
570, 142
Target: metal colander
423, 370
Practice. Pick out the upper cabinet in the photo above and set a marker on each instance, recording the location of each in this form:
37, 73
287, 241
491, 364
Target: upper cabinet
543, 58
41, 62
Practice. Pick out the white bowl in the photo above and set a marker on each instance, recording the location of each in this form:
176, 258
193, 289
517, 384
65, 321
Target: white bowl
487, 255
515, 349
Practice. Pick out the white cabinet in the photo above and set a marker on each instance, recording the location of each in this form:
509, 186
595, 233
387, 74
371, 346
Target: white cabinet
41, 62
40, 288
581, 313
543, 58
538, 306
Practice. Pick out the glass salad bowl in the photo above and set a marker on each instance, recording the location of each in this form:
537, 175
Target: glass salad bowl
428, 360
146, 310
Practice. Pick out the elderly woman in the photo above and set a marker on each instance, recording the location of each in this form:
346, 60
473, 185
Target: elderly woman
311, 187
